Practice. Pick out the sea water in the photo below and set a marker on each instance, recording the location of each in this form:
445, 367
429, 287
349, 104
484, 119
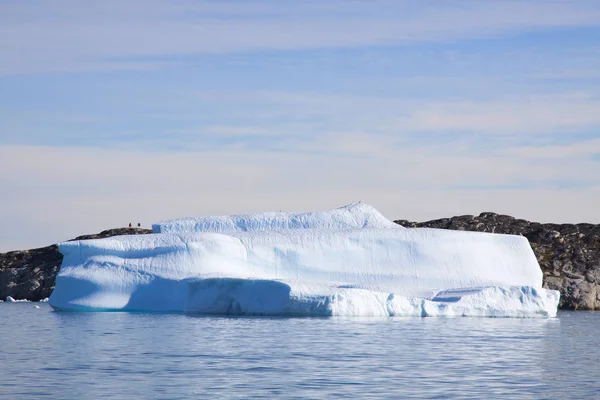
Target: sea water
67, 355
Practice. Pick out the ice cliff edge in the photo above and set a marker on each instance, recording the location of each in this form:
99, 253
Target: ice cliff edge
348, 261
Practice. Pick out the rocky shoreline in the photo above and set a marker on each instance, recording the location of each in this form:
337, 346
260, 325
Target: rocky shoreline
569, 255
31, 274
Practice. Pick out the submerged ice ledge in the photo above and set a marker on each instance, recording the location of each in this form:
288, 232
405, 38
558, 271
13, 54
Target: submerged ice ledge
349, 261
230, 296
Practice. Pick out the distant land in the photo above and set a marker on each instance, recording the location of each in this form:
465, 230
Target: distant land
569, 255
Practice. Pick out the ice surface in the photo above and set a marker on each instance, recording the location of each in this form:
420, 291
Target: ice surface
271, 297
317, 265
10, 299
354, 215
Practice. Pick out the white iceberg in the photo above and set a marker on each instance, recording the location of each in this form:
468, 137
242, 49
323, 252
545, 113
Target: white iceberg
349, 261
10, 299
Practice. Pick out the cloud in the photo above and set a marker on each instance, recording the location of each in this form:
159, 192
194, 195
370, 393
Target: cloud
39, 36
578, 150
233, 130
311, 122
536, 115
438, 130
572, 74
54, 193
516, 116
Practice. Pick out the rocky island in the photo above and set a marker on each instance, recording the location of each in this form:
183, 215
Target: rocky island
569, 255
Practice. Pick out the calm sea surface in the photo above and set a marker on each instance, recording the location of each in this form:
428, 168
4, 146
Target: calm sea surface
47, 354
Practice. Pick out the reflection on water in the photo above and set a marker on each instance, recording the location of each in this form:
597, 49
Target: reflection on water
121, 355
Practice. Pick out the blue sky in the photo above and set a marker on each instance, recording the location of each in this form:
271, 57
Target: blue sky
145, 110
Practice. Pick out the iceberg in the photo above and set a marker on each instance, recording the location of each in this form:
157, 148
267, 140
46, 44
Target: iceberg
349, 261
10, 299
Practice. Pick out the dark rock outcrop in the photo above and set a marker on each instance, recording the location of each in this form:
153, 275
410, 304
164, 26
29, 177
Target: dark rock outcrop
31, 274
569, 254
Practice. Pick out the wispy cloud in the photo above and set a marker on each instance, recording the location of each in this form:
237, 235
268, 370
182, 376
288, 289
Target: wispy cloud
68, 35
529, 116
400, 118
315, 122
170, 108
91, 189
576, 150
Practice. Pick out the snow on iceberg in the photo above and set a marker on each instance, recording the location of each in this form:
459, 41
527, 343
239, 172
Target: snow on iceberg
343, 262
354, 215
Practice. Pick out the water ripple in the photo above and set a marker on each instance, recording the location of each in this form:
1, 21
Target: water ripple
46, 354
